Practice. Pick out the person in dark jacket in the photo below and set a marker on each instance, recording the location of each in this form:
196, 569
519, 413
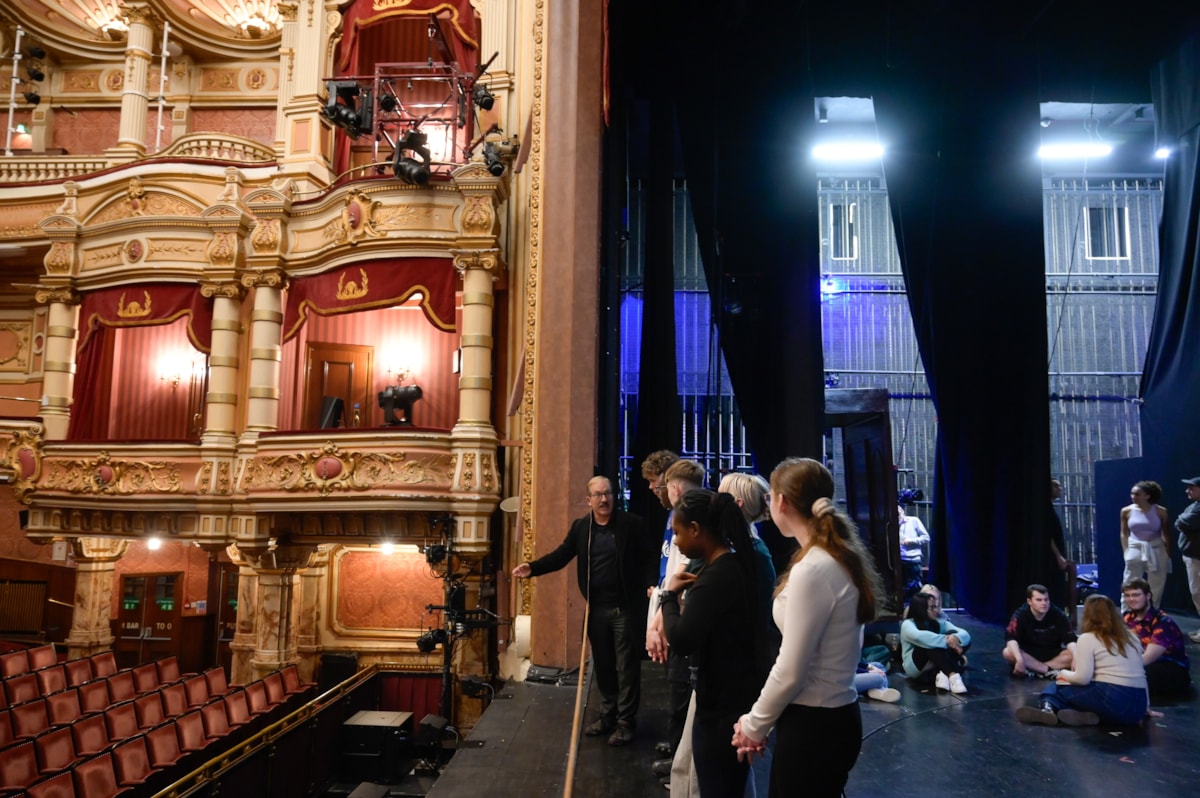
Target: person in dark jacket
615, 559
1188, 526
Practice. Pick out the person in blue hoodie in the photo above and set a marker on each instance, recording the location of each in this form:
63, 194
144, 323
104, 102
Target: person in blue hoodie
932, 647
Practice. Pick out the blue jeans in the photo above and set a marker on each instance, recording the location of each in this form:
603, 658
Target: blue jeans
1114, 703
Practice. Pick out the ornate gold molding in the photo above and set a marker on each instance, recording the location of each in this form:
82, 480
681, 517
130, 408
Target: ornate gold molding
229, 289
486, 259
478, 216
265, 278
105, 476
23, 457
356, 221
59, 294
22, 333
223, 250
330, 469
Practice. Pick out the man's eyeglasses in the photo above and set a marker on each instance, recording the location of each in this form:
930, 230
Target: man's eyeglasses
600, 494
659, 489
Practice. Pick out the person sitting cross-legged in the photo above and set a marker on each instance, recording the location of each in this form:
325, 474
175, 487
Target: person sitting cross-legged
1038, 639
932, 647
1108, 682
1163, 650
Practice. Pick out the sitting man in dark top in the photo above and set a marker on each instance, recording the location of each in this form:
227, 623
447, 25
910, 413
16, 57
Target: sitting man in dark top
1038, 639
1163, 651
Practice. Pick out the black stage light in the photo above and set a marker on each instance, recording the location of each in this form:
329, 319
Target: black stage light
35, 74
482, 97
435, 553
388, 103
349, 107
409, 169
36, 52
399, 397
32, 97
427, 642
491, 159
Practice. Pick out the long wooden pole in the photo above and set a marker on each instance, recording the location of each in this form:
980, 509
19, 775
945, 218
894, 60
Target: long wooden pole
577, 721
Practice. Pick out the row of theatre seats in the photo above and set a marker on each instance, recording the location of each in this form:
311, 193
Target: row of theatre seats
127, 734
14, 663
26, 685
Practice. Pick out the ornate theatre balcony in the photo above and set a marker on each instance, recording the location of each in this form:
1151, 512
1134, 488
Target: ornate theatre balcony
220, 148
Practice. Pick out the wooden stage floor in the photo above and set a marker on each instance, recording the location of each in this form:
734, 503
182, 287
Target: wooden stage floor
926, 745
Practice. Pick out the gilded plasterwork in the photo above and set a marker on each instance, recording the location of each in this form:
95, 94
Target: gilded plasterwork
398, 217
24, 458
139, 201
204, 477
14, 345
101, 256
356, 220
330, 469
22, 221
477, 216
105, 475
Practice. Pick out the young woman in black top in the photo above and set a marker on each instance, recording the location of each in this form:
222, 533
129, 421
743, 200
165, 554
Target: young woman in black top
717, 629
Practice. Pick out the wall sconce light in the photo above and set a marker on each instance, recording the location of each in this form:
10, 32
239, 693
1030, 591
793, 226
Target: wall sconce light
172, 379
456, 361
154, 543
387, 548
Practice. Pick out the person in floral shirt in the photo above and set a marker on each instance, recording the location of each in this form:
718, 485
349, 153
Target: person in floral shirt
1163, 651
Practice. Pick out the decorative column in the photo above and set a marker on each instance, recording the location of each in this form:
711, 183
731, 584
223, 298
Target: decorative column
58, 381
220, 402
243, 643
309, 39
277, 607
266, 351
139, 50
308, 627
473, 439
95, 567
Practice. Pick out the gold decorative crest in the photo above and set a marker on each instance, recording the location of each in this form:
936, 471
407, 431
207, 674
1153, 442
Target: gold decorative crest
134, 310
330, 469
104, 475
351, 290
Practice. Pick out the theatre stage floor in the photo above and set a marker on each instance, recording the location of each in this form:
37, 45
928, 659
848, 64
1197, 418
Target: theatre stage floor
928, 744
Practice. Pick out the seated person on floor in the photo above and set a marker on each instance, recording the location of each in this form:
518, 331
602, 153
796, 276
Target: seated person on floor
1108, 682
1038, 639
932, 647
1163, 651
872, 680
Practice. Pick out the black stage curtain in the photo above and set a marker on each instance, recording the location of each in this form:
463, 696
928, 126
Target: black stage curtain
742, 130
958, 113
1171, 378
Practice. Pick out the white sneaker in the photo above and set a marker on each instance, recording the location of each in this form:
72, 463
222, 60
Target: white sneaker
942, 682
888, 694
1195, 636
956, 684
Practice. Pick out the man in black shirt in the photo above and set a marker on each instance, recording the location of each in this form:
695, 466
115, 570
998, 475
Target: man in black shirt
1038, 640
616, 559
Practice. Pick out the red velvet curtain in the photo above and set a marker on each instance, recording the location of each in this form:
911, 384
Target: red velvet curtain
93, 388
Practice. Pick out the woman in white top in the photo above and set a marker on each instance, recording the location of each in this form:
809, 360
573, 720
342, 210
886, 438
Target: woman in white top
829, 591
1108, 683
1144, 540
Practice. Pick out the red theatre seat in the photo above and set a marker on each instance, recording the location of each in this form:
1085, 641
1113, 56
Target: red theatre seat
18, 767
14, 663
145, 677
6, 732
91, 735
292, 683
52, 679
168, 670
55, 749
93, 696
96, 778
237, 708
22, 688
163, 744
121, 720
30, 719
216, 722
197, 690
174, 699
132, 761
42, 657
192, 736
60, 786
217, 683
256, 697
275, 692
104, 664
78, 671
149, 709
64, 707
121, 687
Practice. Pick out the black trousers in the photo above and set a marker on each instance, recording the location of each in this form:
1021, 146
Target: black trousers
718, 771
933, 660
815, 748
616, 662
1167, 678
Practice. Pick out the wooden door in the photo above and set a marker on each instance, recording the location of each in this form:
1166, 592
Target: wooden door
227, 606
147, 619
343, 371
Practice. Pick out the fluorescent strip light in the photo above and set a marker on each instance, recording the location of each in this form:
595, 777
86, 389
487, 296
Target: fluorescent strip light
1088, 149
848, 151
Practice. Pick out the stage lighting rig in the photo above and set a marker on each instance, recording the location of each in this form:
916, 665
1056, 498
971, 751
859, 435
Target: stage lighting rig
483, 97
491, 159
349, 106
414, 171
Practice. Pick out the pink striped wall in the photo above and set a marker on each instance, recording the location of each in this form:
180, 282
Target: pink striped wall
145, 404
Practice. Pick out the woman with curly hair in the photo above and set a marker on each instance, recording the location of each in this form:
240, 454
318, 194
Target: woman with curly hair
1108, 681
1145, 544
830, 590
